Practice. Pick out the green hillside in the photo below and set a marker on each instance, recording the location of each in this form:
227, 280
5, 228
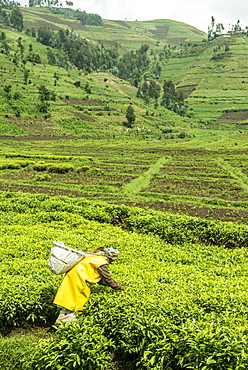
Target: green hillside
215, 80
99, 147
212, 75
165, 161
128, 34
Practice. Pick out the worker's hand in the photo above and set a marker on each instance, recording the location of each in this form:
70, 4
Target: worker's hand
122, 287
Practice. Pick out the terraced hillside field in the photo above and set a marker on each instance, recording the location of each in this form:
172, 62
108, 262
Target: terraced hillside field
215, 81
128, 34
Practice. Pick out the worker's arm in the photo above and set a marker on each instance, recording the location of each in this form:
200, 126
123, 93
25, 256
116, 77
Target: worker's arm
106, 278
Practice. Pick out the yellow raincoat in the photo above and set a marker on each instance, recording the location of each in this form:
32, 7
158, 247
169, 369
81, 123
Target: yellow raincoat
74, 292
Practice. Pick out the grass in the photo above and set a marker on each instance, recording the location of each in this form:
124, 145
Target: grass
17, 350
142, 182
234, 172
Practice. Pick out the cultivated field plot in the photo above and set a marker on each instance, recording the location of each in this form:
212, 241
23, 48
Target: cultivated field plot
200, 188
199, 174
212, 184
215, 81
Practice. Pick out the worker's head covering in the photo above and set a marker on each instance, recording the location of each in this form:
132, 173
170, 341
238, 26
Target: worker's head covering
110, 253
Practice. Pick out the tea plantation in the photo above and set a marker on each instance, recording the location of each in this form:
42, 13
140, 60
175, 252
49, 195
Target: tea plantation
168, 189
185, 306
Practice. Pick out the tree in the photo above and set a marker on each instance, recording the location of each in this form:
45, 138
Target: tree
219, 28
130, 116
154, 90
7, 89
26, 76
212, 22
16, 19
2, 36
237, 27
173, 100
44, 35
45, 94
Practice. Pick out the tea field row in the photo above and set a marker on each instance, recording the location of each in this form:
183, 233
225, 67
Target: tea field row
215, 181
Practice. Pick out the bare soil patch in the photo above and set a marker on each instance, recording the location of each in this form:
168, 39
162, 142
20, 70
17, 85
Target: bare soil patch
83, 102
107, 42
161, 32
122, 23
232, 117
222, 214
43, 23
71, 178
52, 20
187, 89
36, 138
41, 189
176, 40
198, 188
83, 117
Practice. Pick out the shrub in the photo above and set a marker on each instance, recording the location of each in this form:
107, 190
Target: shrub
17, 352
83, 169
44, 177
40, 166
62, 168
95, 171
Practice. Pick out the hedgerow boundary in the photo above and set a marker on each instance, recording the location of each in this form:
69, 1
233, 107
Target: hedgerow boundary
172, 228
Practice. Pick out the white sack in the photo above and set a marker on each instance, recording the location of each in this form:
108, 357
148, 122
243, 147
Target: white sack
63, 258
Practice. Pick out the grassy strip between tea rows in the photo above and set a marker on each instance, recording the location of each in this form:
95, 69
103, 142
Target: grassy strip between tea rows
185, 306
143, 180
235, 172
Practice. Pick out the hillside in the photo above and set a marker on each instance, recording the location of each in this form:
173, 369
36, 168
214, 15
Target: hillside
167, 187
215, 80
212, 75
128, 34
165, 161
79, 104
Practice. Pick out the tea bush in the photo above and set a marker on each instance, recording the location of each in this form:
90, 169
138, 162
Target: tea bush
17, 352
185, 305
77, 346
62, 168
44, 177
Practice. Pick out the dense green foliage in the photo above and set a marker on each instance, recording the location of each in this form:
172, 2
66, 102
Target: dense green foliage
185, 303
132, 65
81, 52
130, 116
172, 99
89, 56
17, 351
